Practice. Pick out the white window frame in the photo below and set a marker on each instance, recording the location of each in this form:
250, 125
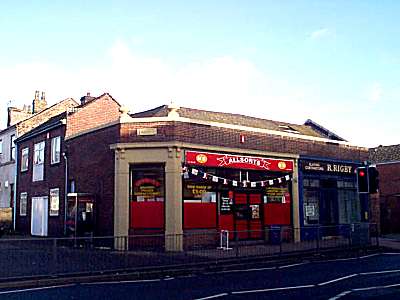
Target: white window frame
23, 198
38, 161
25, 155
54, 202
55, 150
12, 147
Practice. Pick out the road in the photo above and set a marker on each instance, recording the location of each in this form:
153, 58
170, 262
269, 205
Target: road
375, 276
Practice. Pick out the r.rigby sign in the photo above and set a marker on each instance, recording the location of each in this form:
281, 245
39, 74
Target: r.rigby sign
328, 167
237, 161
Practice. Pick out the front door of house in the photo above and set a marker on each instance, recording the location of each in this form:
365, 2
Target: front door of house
247, 215
39, 216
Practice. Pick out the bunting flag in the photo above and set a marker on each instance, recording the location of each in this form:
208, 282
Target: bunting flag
189, 170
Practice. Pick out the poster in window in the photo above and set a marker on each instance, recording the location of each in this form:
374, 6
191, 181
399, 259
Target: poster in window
147, 189
276, 194
226, 205
310, 210
54, 202
255, 211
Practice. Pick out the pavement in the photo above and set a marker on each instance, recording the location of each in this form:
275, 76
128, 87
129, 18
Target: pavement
32, 265
390, 241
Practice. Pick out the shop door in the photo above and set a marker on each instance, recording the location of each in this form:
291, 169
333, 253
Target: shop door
329, 211
248, 221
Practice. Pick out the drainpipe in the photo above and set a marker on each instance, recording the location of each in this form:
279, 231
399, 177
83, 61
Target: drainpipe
14, 204
65, 193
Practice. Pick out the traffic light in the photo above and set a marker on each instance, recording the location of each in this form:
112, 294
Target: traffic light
362, 179
373, 179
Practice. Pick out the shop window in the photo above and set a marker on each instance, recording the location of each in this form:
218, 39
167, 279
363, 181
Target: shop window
311, 183
349, 204
311, 200
199, 192
147, 183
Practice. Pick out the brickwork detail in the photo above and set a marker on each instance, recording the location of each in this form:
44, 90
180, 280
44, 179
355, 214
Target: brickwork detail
215, 136
95, 113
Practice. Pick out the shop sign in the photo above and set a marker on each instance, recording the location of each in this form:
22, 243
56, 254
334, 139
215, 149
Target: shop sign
317, 166
226, 205
276, 195
147, 189
198, 190
237, 161
146, 131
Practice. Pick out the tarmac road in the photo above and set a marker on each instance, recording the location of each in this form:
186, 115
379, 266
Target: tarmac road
375, 276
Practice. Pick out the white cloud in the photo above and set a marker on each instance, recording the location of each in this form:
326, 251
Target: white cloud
320, 33
375, 92
141, 82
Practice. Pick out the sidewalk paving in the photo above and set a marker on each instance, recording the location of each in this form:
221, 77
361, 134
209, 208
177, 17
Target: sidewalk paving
390, 241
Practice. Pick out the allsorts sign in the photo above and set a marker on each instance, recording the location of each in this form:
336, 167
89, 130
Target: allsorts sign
237, 161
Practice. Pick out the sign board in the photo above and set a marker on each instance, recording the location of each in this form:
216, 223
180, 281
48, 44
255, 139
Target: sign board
310, 210
146, 131
237, 161
328, 167
226, 205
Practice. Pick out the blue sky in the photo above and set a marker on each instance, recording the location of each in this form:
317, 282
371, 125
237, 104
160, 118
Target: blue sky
336, 62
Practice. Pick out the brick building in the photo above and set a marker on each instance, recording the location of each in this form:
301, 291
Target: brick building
45, 159
19, 122
387, 203
175, 169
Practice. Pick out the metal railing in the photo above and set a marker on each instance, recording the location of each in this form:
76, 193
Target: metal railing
35, 257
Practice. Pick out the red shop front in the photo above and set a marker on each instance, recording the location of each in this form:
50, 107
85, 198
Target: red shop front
236, 192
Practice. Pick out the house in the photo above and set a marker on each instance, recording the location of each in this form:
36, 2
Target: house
46, 160
21, 121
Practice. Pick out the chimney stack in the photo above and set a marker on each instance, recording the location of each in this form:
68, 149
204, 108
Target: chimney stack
39, 104
86, 99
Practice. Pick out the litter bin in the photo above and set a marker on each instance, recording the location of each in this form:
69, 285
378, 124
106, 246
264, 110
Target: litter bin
275, 234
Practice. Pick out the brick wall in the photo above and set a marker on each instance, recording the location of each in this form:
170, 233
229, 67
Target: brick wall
44, 116
91, 165
389, 187
102, 110
53, 178
207, 135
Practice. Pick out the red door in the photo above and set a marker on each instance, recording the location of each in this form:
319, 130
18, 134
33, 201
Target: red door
248, 221
255, 222
241, 216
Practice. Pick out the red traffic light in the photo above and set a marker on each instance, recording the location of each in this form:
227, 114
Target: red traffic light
361, 173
